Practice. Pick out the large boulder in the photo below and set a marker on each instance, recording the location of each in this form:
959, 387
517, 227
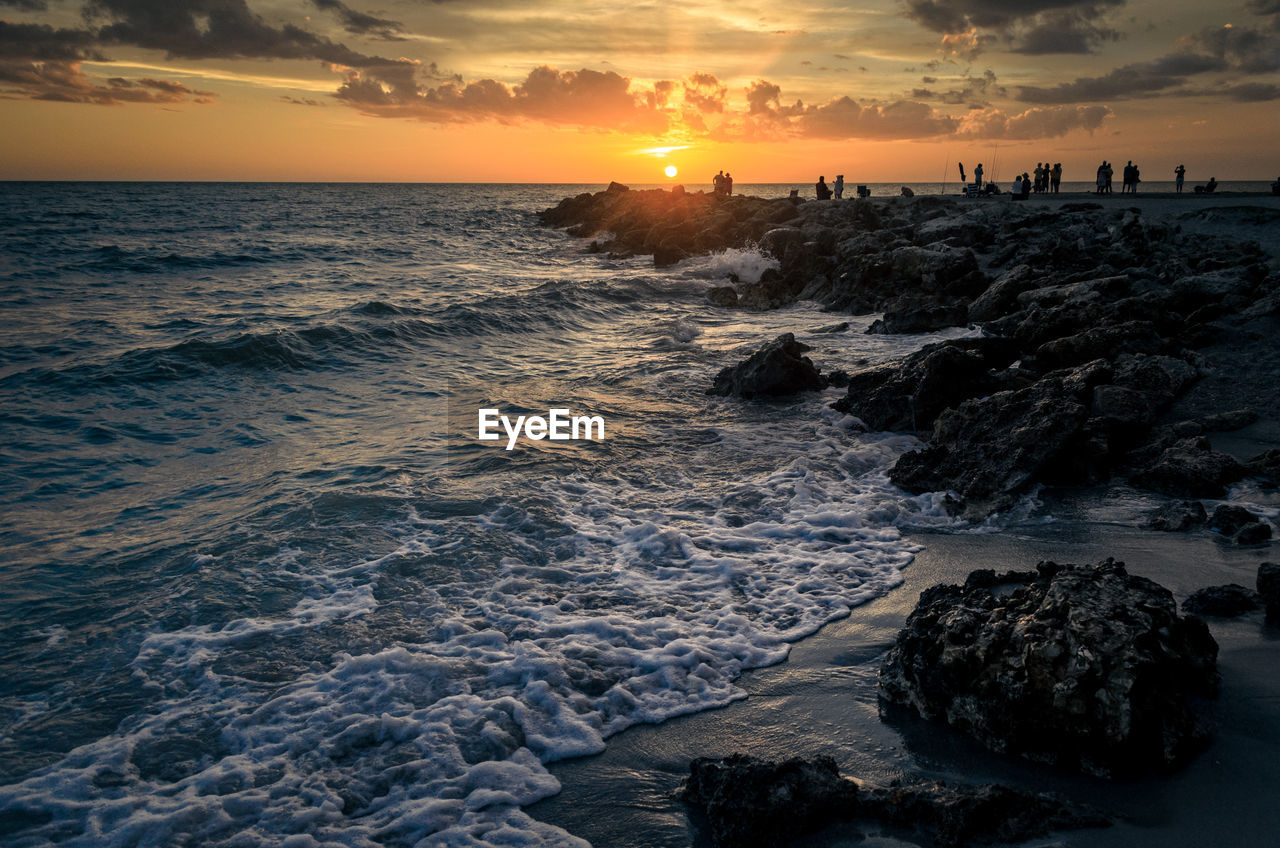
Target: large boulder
1088, 668
778, 368
1189, 468
1227, 601
991, 449
911, 393
750, 802
1269, 589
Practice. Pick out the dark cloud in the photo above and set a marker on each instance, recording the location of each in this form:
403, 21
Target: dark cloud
1065, 31
302, 101
26, 5
1245, 92
1029, 26
64, 82
209, 29
585, 98
40, 42
1231, 50
361, 23
959, 15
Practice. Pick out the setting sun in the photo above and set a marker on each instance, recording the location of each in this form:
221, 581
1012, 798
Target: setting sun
670, 170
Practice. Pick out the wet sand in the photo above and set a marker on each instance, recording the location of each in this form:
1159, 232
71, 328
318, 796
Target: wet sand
822, 700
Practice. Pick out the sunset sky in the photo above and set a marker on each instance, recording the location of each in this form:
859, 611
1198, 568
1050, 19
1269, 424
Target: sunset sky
560, 91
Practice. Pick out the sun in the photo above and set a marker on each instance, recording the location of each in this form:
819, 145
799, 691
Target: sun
670, 170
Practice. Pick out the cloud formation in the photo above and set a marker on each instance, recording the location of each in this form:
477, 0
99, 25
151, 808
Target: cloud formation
1030, 26
1232, 50
584, 97
361, 23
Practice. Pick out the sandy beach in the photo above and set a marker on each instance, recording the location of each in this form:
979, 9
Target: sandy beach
822, 700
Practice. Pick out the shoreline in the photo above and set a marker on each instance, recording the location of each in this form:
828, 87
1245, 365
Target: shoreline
1220, 253
822, 700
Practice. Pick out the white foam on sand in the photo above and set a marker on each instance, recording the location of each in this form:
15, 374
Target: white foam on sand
643, 600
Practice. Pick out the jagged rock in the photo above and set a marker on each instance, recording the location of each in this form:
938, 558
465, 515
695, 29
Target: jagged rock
1266, 467
750, 802
723, 295
1229, 520
919, 319
993, 448
1252, 534
1086, 668
615, 187
1227, 601
1190, 469
1235, 419
1178, 517
1000, 298
911, 393
1269, 590
832, 328
778, 368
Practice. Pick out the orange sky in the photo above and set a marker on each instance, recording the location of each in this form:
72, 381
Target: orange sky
502, 91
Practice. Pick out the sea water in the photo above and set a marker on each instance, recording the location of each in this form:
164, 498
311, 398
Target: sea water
261, 584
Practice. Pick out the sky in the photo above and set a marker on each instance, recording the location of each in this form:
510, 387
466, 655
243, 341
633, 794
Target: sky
586, 92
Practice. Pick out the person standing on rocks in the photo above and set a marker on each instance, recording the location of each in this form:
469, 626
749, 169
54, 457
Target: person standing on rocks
977, 177
1102, 178
1055, 176
1179, 174
1108, 172
1135, 178
718, 182
728, 185
838, 186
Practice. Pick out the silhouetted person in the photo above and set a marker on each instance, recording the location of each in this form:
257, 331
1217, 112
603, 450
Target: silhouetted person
1126, 184
1211, 185
728, 185
977, 177
823, 191
1102, 178
1108, 172
1134, 178
1179, 174
1275, 186
838, 186
718, 182
1055, 176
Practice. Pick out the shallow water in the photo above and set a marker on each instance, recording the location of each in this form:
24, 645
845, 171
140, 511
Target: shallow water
260, 579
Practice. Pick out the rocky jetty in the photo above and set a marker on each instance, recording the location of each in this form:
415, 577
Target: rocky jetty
751, 802
1087, 668
1094, 321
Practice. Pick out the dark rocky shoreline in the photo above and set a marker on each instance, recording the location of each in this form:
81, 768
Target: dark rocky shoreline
1097, 326
1095, 321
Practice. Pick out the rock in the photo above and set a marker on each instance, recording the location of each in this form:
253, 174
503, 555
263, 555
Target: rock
750, 802
1000, 298
1266, 467
1252, 534
1229, 520
1269, 590
615, 187
919, 319
1177, 517
1190, 469
1227, 601
778, 368
1086, 668
667, 254
843, 326
991, 449
723, 295
838, 378
911, 393
1235, 419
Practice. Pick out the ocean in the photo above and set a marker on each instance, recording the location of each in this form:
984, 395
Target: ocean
260, 583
